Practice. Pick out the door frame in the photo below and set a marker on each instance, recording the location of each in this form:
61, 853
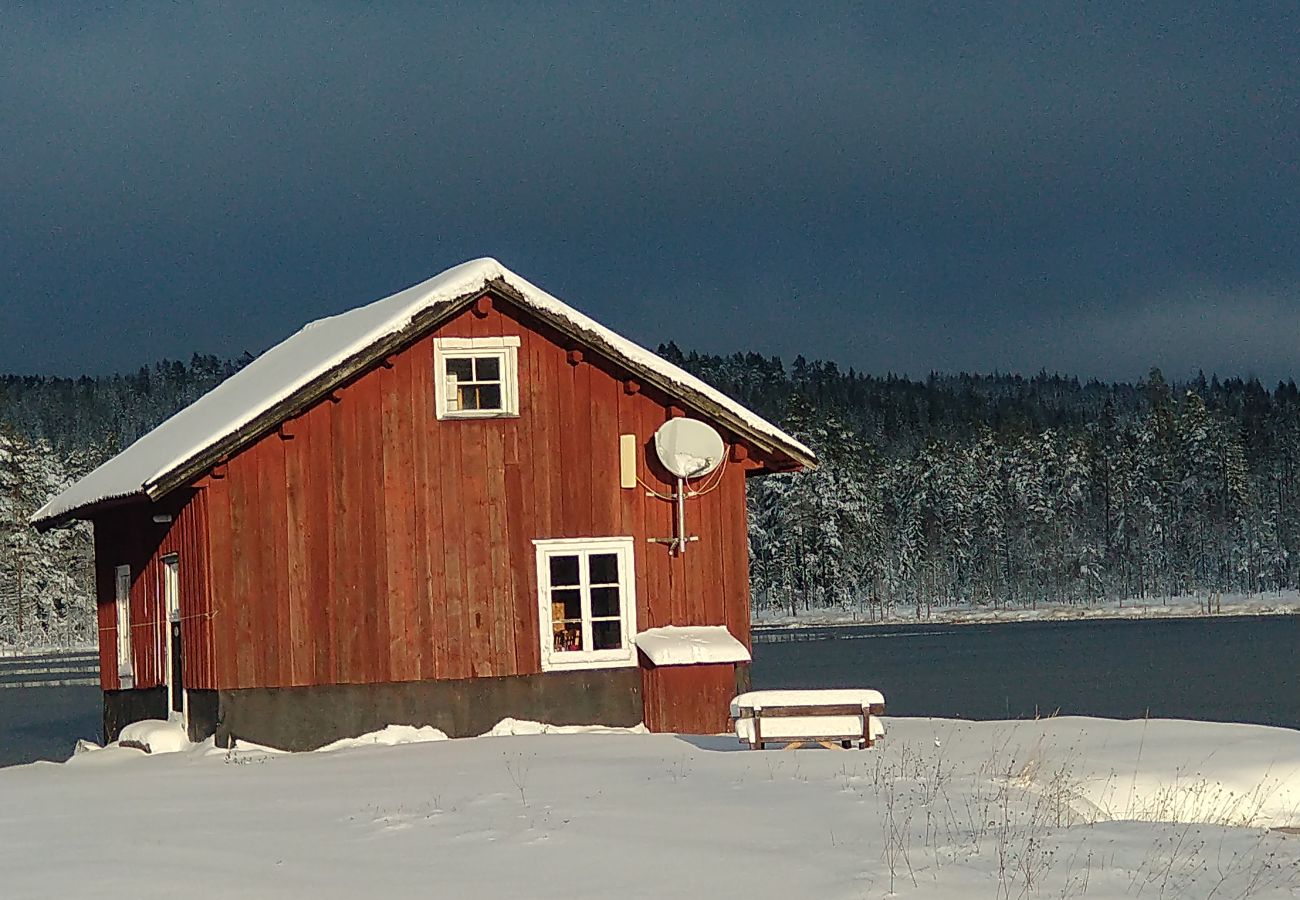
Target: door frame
171, 639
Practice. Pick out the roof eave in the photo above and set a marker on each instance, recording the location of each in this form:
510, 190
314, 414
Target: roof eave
85, 511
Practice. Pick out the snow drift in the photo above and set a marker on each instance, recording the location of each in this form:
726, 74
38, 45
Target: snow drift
1070, 807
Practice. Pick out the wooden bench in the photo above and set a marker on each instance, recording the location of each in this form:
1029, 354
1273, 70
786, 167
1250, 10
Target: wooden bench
835, 719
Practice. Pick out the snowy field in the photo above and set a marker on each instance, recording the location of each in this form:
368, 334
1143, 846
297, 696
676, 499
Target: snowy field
1067, 807
1272, 603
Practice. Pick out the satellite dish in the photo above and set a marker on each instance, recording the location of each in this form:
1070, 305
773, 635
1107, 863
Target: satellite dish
689, 448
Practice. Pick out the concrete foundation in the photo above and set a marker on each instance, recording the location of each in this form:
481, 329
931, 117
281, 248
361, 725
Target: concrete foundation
303, 718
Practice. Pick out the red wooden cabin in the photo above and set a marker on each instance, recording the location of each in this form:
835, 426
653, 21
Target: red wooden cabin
419, 512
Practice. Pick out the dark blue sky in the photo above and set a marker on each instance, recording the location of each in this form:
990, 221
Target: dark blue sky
1091, 188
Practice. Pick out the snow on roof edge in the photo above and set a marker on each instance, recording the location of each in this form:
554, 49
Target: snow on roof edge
158, 452
638, 355
320, 346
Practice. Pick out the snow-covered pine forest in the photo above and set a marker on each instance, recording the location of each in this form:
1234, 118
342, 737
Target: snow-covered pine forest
960, 489
1011, 491
52, 431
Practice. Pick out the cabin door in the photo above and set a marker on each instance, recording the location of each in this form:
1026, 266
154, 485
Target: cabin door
176, 700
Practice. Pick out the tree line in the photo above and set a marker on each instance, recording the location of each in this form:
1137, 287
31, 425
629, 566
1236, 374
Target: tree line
52, 431
1006, 490
998, 490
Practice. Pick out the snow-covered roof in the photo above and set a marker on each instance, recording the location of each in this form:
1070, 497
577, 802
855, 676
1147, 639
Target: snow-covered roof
686, 645
236, 409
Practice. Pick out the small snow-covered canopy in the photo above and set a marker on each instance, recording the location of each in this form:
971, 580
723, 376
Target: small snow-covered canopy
687, 645
309, 364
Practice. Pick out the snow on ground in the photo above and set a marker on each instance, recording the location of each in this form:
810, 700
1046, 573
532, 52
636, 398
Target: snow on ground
10, 651
1271, 603
1066, 807
391, 736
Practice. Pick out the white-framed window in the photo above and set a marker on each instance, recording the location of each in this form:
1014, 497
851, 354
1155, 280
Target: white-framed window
122, 602
476, 378
587, 602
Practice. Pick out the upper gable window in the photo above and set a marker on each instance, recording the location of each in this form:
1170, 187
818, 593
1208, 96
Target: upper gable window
476, 378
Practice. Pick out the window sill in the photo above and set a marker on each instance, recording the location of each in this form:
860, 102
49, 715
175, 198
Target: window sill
493, 414
569, 665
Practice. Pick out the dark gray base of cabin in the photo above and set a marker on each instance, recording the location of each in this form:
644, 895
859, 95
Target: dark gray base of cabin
204, 713
121, 708
304, 718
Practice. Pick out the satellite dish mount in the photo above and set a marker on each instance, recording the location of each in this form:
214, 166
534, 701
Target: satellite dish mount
687, 448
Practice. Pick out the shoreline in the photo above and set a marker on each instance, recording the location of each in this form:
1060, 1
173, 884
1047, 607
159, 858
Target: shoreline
967, 616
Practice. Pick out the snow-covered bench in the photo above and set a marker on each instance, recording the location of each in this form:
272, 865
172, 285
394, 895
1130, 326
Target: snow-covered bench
831, 718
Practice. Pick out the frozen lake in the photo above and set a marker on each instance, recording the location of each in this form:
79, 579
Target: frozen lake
1227, 669
1231, 669
46, 722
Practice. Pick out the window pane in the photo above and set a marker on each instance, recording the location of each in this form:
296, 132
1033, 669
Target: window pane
489, 396
607, 635
462, 368
604, 601
468, 397
564, 570
487, 368
568, 637
603, 568
566, 605
566, 619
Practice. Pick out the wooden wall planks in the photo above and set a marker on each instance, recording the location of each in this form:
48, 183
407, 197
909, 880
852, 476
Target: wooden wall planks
129, 536
688, 699
375, 543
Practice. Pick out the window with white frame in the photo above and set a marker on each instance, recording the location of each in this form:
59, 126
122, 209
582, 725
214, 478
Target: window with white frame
122, 602
587, 603
476, 378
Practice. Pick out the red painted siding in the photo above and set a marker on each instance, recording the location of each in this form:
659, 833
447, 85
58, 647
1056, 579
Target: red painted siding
688, 699
370, 542
130, 536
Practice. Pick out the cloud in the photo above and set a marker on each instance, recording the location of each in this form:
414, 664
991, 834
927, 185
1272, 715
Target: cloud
1210, 328
897, 174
